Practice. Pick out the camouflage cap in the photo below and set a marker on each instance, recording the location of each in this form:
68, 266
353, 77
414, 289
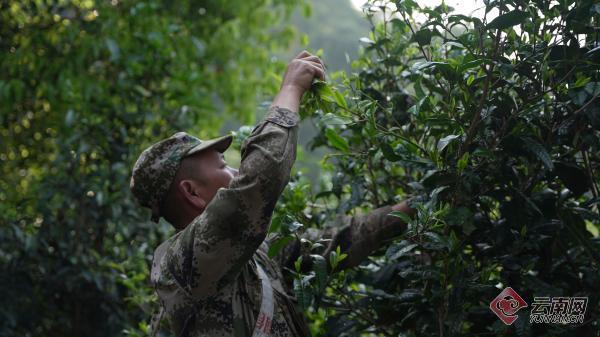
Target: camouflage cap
156, 167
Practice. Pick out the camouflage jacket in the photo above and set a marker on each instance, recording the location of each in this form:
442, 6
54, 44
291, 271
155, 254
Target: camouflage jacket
205, 275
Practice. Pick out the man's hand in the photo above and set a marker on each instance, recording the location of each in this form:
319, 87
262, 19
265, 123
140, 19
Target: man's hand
301, 71
298, 77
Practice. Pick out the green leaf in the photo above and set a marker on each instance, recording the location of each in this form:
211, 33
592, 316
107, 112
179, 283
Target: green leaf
576, 228
302, 292
581, 81
462, 217
483, 153
275, 224
403, 216
304, 40
437, 242
463, 161
320, 268
539, 151
573, 176
306, 10
578, 96
70, 118
508, 20
113, 48
332, 119
340, 100
324, 91
593, 88
425, 65
423, 37
276, 246
333, 260
337, 141
366, 41
402, 251
142, 91
298, 264
416, 109
528, 201
442, 143
200, 46
341, 256
470, 79
335, 257
291, 227
409, 295
469, 65
389, 153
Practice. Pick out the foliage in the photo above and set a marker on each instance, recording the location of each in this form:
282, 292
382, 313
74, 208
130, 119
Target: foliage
85, 86
493, 123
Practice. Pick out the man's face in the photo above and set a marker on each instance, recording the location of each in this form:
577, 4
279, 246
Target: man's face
210, 171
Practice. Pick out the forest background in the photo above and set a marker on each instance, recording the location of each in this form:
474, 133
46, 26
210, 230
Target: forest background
490, 120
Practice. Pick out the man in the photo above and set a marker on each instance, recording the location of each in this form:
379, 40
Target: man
213, 277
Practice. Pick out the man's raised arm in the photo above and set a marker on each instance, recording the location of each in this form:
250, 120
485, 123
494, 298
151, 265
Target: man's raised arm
357, 236
360, 235
210, 252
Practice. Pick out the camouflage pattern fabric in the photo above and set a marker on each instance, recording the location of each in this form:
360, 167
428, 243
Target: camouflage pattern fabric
206, 275
357, 236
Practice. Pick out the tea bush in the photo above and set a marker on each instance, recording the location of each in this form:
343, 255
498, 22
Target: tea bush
493, 123
84, 87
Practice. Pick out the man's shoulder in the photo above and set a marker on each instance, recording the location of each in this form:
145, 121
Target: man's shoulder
160, 252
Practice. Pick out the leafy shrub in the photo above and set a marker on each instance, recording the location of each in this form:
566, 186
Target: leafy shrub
84, 87
493, 123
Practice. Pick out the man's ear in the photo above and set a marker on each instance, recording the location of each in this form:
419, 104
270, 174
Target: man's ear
189, 190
